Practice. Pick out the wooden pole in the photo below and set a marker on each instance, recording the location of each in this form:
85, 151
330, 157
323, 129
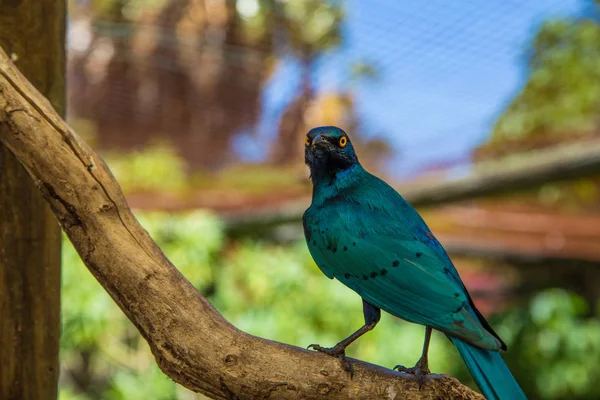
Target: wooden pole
32, 32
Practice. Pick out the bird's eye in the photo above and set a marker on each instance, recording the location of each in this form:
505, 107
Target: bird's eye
343, 141
307, 141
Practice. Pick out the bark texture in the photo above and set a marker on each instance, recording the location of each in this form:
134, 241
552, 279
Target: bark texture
33, 33
190, 340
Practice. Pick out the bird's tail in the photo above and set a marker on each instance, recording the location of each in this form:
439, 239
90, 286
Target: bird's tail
489, 371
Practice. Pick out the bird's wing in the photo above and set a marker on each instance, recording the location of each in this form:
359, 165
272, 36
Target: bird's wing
395, 265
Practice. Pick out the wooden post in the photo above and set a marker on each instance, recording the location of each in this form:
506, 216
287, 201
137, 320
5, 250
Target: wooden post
32, 32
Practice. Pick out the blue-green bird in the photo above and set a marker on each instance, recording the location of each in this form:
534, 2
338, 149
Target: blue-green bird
362, 232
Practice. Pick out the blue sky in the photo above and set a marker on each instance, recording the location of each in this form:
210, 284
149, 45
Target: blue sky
446, 71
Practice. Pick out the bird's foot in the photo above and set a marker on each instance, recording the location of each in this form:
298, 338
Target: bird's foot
338, 352
420, 370
335, 351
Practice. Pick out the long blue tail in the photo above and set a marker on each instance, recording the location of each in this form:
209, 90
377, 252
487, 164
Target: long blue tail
489, 371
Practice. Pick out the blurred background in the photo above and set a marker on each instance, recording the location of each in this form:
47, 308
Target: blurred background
200, 108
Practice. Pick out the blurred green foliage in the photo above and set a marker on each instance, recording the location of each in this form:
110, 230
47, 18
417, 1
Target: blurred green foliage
555, 347
313, 26
157, 167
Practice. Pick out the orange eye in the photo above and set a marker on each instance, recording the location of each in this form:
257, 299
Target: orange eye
343, 141
307, 141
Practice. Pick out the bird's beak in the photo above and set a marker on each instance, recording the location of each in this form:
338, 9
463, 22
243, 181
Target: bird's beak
318, 141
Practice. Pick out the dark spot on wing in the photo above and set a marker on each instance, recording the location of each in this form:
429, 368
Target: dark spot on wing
446, 270
366, 278
373, 274
345, 248
383, 272
456, 294
353, 243
314, 242
395, 263
347, 275
418, 254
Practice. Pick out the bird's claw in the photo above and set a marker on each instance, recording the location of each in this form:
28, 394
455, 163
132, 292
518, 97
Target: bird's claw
334, 351
338, 352
420, 370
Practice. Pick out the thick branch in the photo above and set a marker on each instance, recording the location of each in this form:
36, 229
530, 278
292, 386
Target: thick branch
190, 340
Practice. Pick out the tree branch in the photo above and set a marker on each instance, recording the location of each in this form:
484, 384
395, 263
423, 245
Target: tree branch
190, 340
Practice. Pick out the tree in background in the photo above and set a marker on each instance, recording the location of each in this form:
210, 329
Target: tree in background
182, 69
559, 103
193, 72
307, 29
561, 99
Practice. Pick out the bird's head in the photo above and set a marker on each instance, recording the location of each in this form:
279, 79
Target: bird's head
327, 151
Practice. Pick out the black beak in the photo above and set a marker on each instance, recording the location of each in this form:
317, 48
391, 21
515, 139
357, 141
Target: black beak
319, 141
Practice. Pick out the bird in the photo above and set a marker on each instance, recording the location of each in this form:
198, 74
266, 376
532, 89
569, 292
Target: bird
363, 233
